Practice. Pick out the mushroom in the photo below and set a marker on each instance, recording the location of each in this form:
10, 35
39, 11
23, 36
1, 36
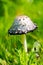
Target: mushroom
22, 25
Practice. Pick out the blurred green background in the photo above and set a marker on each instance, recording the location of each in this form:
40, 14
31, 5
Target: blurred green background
10, 46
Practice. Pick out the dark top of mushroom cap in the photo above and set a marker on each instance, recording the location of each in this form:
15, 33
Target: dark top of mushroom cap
22, 25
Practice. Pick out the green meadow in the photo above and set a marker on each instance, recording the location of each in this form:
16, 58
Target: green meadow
11, 47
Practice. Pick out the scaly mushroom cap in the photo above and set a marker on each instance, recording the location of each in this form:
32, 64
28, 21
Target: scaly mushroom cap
22, 25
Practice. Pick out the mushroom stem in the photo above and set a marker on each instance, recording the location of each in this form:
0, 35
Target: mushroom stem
23, 40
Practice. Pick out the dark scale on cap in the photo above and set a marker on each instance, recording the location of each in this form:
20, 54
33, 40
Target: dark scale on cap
19, 19
22, 25
23, 19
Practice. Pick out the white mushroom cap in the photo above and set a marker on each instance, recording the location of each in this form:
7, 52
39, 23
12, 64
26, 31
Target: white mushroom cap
22, 25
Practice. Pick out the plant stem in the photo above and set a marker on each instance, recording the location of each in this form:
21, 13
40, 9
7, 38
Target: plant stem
23, 40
